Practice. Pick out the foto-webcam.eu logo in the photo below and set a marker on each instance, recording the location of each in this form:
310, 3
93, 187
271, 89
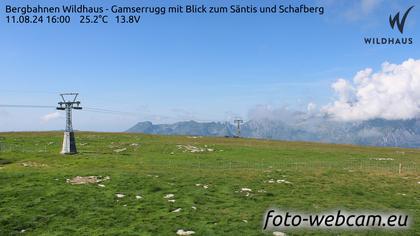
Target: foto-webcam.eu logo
400, 23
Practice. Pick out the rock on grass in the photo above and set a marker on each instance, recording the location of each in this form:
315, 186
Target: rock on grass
177, 210
87, 179
183, 232
277, 233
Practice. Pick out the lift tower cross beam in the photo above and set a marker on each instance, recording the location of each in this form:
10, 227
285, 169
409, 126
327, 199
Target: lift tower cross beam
69, 102
238, 127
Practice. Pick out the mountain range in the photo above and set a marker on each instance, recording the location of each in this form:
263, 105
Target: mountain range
302, 127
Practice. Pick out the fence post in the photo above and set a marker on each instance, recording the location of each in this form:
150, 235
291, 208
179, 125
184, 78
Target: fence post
399, 168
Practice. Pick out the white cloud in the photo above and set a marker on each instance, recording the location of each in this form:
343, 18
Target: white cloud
392, 93
51, 116
4, 113
369, 5
311, 107
361, 8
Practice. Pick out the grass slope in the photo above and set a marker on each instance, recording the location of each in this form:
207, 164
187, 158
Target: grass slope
35, 198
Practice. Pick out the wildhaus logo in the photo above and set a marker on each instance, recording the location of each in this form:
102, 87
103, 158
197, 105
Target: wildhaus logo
400, 23
396, 19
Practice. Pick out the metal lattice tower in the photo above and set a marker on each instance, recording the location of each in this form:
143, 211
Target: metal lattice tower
69, 102
238, 127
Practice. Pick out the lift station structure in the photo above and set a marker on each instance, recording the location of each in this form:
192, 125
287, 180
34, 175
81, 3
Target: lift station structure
68, 104
238, 123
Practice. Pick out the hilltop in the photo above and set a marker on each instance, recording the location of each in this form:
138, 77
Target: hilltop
138, 184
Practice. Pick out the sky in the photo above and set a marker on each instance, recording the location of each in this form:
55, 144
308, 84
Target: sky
206, 67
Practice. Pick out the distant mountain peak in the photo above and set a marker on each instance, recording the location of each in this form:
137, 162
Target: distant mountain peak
377, 132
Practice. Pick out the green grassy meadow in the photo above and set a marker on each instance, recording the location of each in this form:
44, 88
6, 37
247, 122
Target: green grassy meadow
35, 198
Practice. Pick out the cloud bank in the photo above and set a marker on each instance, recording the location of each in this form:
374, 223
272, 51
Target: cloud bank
283, 114
51, 116
393, 93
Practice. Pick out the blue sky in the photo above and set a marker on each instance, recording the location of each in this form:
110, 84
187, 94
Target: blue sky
180, 67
